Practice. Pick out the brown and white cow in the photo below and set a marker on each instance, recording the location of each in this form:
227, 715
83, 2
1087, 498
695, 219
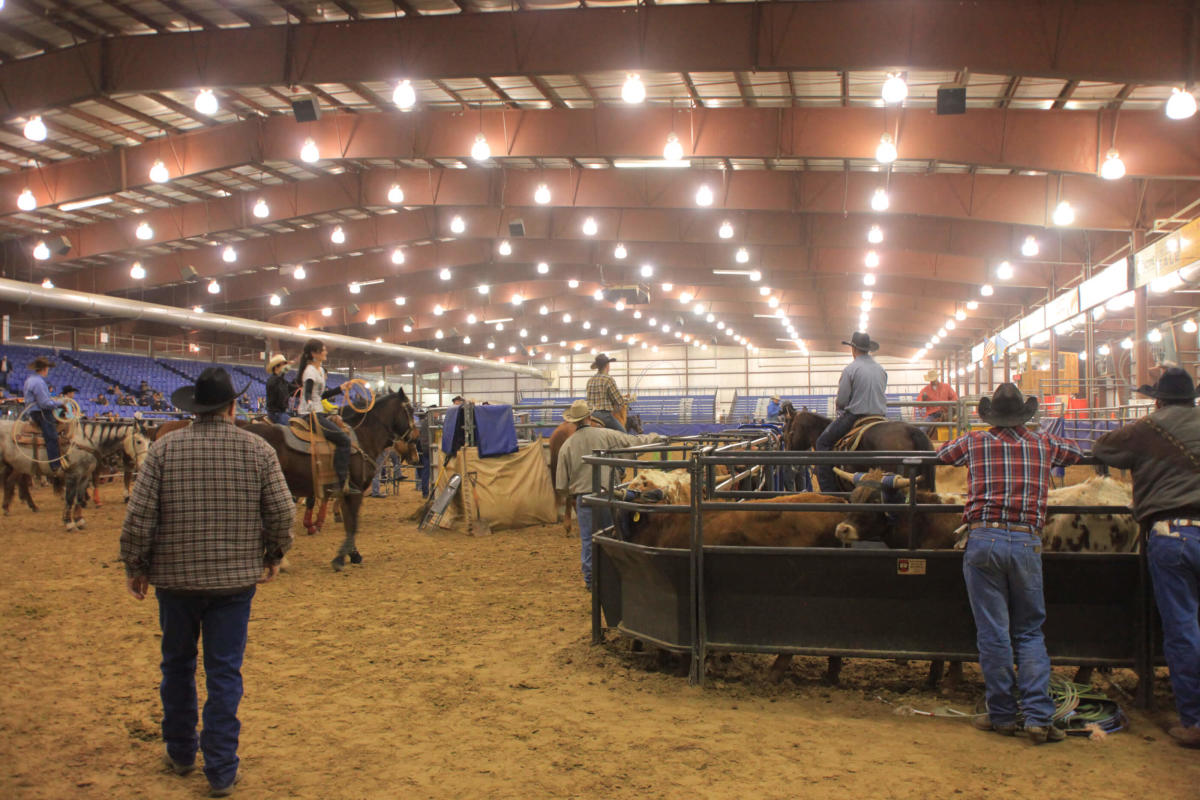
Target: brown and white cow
1091, 533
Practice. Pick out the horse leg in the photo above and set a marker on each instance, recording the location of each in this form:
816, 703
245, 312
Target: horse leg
10, 485
779, 668
834, 671
350, 507
309, 503
321, 513
96, 487
25, 487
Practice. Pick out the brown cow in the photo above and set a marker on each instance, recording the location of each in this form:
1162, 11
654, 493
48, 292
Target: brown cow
746, 528
934, 531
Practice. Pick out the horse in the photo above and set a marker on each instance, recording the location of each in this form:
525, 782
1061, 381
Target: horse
128, 459
803, 429
389, 421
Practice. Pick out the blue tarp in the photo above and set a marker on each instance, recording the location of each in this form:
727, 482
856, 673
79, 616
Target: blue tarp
495, 431
452, 427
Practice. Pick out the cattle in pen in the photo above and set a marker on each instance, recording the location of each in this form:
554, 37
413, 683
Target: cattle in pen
1105, 532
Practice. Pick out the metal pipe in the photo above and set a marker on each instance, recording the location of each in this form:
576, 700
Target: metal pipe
86, 303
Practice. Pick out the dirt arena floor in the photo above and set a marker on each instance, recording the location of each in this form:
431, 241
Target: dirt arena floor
455, 667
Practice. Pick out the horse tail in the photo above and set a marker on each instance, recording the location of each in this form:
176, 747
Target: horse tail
921, 441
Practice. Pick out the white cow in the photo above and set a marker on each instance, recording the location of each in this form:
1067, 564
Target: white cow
675, 484
1092, 533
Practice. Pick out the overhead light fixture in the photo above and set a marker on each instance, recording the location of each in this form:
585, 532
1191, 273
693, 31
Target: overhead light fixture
685, 297
299, 273
275, 299
666, 287
517, 299
404, 96
483, 288
986, 290
755, 275
1180, 105
395, 194
868, 279
370, 319
647, 270
35, 130
206, 102
397, 256
879, 200
214, 287
673, 150
1104, 350
972, 305
144, 231
137, 271
764, 290
875, 234
543, 268
1004, 271
704, 195
649, 163
480, 150
596, 295
444, 274
504, 248
590, 227
872, 259
573, 283
159, 173
960, 315
619, 251
950, 325
309, 152
541, 195
1030, 247
472, 319
355, 288
566, 318
261, 209
76, 205
742, 256
634, 91
337, 235
26, 201
1189, 326
438, 310
726, 230
1127, 343
1113, 167
1063, 214
885, 153
894, 88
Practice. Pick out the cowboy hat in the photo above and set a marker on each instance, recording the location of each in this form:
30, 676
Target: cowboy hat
68, 389
577, 412
213, 390
933, 375
40, 363
774, 397
602, 361
1007, 407
276, 360
1173, 384
861, 341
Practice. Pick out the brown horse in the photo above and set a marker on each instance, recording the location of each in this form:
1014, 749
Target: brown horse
803, 429
389, 422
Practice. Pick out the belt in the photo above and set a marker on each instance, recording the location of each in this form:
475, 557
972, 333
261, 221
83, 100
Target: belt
1183, 523
1004, 526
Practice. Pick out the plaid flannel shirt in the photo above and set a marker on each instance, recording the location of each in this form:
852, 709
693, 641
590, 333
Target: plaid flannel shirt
209, 510
602, 394
1008, 473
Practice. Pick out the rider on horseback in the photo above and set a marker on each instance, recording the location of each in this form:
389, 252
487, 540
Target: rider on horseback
860, 394
41, 408
312, 392
279, 390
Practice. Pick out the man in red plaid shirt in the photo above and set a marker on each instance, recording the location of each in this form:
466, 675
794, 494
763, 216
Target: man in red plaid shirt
1009, 475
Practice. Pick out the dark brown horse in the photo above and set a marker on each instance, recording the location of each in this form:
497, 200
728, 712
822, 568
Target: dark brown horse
389, 422
803, 429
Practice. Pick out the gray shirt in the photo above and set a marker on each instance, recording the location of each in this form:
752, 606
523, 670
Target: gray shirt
575, 477
1166, 480
861, 389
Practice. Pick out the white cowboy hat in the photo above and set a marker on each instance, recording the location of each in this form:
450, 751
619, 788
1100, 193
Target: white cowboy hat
577, 412
276, 360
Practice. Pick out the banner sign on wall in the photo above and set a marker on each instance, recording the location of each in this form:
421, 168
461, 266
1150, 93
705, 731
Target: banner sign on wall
1168, 254
1062, 308
1035, 322
1105, 285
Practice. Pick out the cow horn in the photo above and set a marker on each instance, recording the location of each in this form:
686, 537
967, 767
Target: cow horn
900, 482
846, 476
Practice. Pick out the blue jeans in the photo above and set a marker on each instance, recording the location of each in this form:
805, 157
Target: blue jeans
590, 519
45, 421
1003, 571
388, 455
828, 438
281, 417
609, 420
423, 472
1174, 556
222, 620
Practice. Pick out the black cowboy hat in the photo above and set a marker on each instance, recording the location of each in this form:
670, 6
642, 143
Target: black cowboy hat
1173, 384
68, 389
213, 390
602, 361
1007, 407
861, 341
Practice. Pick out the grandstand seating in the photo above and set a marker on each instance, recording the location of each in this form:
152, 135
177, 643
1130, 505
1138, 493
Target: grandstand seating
751, 408
674, 408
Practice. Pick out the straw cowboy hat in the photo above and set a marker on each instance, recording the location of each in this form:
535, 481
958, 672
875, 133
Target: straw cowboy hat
861, 341
933, 375
577, 412
602, 361
1173, 384
213, 390
276, 360
774, 397
1007, 407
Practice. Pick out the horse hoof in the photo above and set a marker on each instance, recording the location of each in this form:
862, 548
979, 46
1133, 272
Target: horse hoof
80, 525
338, 563
70, 526
312, 529
355, 557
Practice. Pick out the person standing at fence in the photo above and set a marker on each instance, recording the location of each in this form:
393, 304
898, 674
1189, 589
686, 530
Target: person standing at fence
41, 407
424, 449
279, 390
209, 518
934, 392
603, 397
860, 394
573, 477
1163, 451
773, 408
1008, 470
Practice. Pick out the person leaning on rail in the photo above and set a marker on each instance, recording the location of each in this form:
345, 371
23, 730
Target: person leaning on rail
1008, 471
1163, 451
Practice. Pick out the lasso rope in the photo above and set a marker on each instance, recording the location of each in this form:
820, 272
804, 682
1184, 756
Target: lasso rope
366, 387
72, 417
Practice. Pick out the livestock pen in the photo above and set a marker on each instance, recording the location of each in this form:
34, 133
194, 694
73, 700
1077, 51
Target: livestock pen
860, 602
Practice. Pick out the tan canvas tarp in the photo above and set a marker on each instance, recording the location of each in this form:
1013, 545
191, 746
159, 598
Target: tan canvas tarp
511, 491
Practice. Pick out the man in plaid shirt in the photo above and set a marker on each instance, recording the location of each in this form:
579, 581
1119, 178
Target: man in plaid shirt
1009, 476
603, 396
209, 518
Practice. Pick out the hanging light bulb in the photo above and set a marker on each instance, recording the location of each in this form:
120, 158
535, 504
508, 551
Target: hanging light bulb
309, 152
457, 225
338, 236
404, 95
229, 254
1063, 214
275, 299
704, 195
872, 259
483, 288
214, 287
894, 88
137, 271
619, 251
158, 172
504, 248
647, 270
355, 288
397, 256
868, 279
541, 195
1030, 247
972, 305
444, 274
1180, 105
960, 315
206, 102
1104, 350
472, 319
673, 150
634, 91
986, 290
755, 275
35, 130
742, 256
395, 194
517, 299
875, 234
1004, 271
299, 273
544, 310
590, 227
666, 287
543, 268
438, 310
685, 297
480, 151
261, 209
879, 200
1155, 335
26, 201
1189, 326
1127, 343
47, 283
326, 312
1113, 167
370, 319
144, 231
41, 252
885, 153
726, 230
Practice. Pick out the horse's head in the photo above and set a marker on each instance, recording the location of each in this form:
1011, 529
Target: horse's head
803, 429
135, 446
394, 413
633, 423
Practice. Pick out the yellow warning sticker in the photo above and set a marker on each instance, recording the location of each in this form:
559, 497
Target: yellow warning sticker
910, 566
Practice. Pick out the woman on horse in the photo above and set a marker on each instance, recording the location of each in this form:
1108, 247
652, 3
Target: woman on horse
279, 390
312, 392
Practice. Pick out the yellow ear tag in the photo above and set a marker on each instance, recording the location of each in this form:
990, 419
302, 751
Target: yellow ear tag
637, 515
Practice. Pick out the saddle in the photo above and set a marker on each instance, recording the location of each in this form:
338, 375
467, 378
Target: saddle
30, 435
853, 439
304, 437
